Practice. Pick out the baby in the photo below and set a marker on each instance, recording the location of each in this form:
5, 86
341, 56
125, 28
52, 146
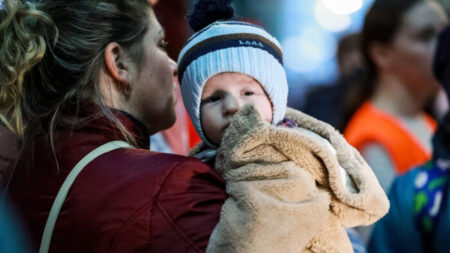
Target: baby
294, 184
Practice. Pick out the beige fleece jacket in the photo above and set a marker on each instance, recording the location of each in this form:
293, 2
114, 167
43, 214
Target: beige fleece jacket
287, 187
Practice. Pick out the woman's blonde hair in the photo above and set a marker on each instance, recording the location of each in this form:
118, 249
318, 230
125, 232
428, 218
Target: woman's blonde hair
51, 53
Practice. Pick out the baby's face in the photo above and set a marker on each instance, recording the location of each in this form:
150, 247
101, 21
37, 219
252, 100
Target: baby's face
223, 95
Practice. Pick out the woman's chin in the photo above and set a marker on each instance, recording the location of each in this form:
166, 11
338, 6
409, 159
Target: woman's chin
170, 120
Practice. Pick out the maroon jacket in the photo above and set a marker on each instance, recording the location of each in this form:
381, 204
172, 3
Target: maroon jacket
127, 200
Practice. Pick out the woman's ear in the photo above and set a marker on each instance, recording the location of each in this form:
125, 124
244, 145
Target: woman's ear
118, 65
380, 54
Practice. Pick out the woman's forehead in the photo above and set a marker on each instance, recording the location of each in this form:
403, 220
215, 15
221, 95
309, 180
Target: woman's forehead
425, 15
154, 26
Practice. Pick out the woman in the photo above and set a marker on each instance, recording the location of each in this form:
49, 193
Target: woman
390, 128
78, 74
419, 219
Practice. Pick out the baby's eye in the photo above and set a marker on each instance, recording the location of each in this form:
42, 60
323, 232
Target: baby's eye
211, 99
248, 93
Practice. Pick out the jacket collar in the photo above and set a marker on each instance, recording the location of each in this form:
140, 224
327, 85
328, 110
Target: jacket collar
135, 127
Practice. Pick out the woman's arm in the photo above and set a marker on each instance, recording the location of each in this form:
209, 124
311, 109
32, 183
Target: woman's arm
187, 208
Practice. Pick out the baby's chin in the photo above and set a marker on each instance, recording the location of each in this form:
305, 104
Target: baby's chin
219, 138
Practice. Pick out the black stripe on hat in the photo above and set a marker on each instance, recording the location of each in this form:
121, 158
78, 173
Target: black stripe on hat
228, 41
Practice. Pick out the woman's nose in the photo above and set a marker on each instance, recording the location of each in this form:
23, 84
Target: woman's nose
230, 105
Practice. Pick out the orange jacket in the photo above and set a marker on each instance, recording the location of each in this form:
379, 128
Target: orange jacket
371, 125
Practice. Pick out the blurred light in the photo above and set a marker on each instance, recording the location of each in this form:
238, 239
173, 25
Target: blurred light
343, 7
294, 55
330, 20
307, 52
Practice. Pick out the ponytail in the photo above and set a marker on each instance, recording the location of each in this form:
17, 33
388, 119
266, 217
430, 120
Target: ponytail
23, 44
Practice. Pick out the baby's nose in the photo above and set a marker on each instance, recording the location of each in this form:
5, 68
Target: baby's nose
230, 106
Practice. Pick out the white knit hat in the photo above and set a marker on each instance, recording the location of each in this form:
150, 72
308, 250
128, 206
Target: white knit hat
231, 46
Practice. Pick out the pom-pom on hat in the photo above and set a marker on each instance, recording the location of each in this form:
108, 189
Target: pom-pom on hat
441, 66
221, 45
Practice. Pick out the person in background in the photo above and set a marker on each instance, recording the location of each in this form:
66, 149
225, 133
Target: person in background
330, 103
82, 86
390, 128
419, 219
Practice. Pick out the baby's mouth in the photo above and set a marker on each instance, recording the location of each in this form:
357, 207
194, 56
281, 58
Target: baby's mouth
225, 127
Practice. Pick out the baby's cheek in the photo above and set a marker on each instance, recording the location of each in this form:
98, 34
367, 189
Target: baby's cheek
267, 114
